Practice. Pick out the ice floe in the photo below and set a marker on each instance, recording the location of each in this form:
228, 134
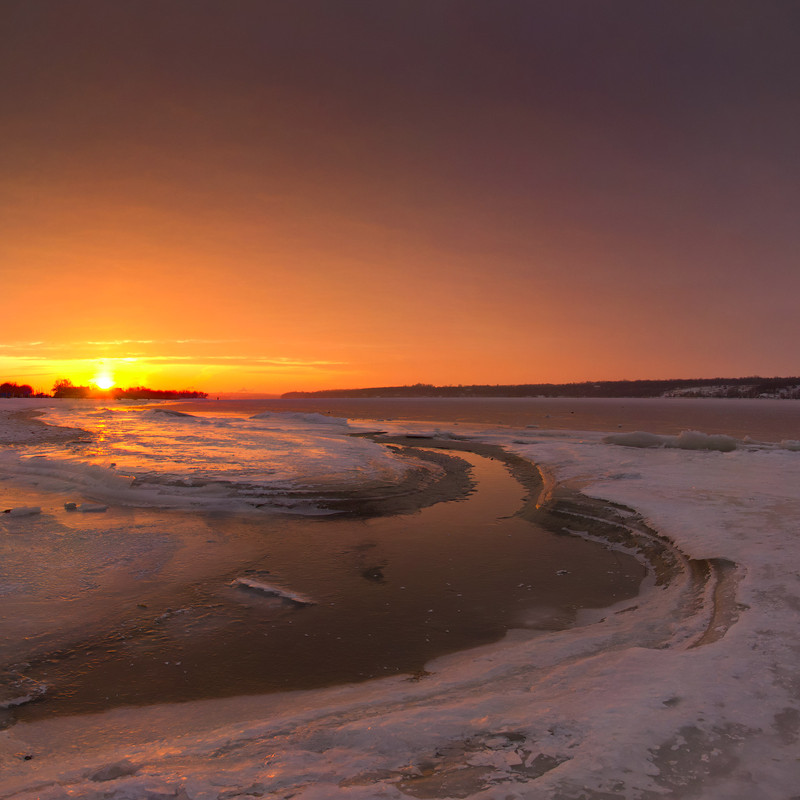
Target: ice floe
273, 591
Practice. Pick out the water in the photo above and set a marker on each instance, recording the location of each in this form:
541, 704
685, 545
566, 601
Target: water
389, 594
767, 420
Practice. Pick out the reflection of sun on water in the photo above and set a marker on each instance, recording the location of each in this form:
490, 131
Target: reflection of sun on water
102, 430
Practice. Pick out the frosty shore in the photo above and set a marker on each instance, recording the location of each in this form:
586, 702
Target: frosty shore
19, 424
691, 690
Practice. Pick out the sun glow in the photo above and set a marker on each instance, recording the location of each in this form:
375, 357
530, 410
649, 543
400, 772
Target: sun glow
104, 381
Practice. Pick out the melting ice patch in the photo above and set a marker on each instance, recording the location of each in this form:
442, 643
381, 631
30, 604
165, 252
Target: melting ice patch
162, 458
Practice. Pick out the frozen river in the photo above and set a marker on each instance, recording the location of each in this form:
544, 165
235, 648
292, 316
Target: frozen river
689, 690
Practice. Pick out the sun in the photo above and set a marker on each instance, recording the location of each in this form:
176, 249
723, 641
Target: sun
104, 381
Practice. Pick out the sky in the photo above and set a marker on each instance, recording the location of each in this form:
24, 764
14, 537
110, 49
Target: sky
265, 196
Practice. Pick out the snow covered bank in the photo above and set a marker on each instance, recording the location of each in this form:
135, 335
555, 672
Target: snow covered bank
19, 424
653, 699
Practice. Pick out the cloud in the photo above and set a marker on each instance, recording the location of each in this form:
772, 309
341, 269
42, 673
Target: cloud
49, 346
28, 345
117, 342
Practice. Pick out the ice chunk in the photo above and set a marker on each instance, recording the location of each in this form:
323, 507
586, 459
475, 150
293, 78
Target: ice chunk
686, 440
110, 772
695, 440
23, 511
298, 417
636, 439
273, 591
20, 691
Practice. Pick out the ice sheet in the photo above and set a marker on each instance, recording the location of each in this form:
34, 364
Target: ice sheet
142, 456
640, 704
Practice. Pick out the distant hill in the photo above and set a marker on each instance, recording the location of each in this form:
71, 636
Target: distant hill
788, 388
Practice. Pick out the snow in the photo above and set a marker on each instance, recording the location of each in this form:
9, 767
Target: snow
656, 698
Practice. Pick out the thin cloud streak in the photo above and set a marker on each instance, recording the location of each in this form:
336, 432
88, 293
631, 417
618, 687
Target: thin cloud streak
113, 342
198, 361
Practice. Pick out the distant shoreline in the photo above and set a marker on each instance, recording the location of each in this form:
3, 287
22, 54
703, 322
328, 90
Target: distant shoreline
749, 387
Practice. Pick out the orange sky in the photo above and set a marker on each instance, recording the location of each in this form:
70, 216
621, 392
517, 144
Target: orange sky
274, 196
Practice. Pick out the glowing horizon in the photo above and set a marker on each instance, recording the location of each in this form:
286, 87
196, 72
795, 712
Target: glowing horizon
223, 374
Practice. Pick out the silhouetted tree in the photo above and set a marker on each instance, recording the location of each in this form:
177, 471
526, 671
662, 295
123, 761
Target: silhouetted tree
9, 389
65, 388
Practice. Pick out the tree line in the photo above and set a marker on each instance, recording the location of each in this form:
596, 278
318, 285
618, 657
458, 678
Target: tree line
9, 389
64, 388
753, 386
